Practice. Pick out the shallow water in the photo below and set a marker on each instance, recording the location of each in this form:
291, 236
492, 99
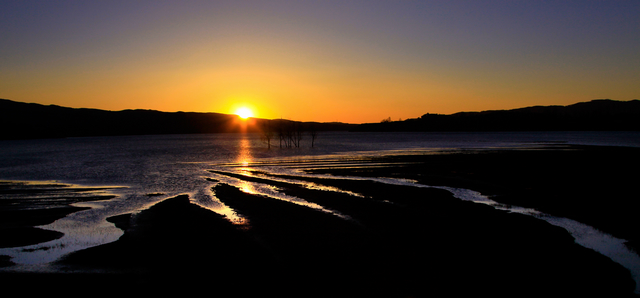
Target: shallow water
584, 235
167, 166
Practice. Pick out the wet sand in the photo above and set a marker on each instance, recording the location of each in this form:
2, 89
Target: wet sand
25, 205
399, 241
593, 185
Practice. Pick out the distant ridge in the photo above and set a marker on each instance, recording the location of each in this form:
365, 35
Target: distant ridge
595, 115
29, 120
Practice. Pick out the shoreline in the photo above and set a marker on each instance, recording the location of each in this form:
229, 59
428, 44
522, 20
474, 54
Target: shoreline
26, 205
399, 241
590, 184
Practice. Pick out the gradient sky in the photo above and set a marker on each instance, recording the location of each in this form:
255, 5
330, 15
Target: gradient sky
347, 61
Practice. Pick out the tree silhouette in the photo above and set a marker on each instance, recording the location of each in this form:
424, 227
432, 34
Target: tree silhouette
267, 132
289, 133
298, 131
314, 134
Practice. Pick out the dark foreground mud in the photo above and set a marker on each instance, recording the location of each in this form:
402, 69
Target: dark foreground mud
593, 185
392, 241
25, 205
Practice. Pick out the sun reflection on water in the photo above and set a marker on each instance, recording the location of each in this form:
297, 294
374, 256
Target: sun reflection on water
244, 159
247, 187
244, 153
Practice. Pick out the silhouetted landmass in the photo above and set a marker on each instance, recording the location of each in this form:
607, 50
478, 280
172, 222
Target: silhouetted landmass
596, 115
29, 120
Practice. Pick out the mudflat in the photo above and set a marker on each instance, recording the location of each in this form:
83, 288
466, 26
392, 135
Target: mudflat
595, 185
25, 205
388, 241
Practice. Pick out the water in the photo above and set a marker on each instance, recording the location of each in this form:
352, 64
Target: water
585, 235
169, 165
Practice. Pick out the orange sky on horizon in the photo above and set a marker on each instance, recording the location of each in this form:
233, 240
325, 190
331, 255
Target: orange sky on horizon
352, 62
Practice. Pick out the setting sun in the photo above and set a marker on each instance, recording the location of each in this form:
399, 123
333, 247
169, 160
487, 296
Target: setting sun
244, 113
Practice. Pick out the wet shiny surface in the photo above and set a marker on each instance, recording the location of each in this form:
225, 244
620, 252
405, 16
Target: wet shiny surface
148, 170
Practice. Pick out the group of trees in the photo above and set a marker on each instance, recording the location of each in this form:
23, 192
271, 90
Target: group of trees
288, 133
388, 120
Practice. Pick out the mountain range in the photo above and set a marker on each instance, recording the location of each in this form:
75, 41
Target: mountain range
595, 115
29, 120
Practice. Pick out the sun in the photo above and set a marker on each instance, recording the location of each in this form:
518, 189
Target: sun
244, 113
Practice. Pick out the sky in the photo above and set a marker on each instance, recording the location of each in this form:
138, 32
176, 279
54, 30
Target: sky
345, 61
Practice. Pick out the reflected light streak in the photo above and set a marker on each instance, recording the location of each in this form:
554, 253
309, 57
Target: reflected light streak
208, 200
244, 155
306, 184
247, 187
270, 191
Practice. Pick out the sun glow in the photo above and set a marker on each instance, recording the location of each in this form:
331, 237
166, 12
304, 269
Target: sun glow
244, 113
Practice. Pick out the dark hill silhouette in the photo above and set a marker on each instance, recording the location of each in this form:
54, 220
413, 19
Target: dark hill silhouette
29, 120
595, 115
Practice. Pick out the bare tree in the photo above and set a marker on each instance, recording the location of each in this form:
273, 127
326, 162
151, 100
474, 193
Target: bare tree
289, 133
267, 132
314, 134
281, 133
297, 134
285, 133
